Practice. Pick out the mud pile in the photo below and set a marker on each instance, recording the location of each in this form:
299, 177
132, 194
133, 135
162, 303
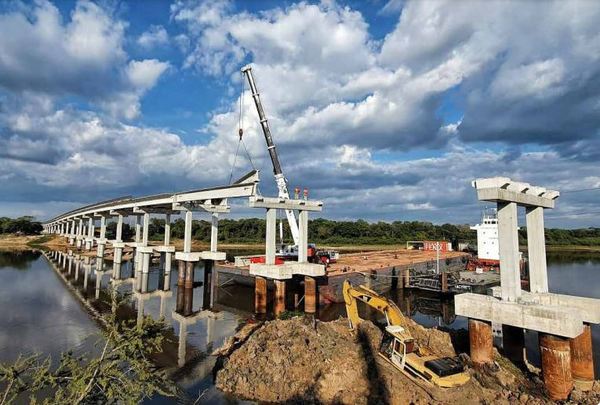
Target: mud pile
305, 361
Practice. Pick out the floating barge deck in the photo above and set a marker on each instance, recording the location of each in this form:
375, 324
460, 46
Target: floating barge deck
381, 270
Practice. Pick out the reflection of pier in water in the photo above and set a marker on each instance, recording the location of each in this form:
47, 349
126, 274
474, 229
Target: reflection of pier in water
95, 281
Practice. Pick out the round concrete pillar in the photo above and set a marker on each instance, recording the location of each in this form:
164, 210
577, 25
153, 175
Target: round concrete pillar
279, 296
582, 356
556, 365
481, 341
310, 295
260, 295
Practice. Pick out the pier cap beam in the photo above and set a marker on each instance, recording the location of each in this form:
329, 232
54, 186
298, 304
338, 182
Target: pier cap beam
503, 189
588, 308
555, 320
285, 271
285, 204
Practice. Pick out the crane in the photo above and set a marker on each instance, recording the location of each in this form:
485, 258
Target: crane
282, 187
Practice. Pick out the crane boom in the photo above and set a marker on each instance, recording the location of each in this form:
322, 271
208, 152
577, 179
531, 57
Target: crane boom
282, 187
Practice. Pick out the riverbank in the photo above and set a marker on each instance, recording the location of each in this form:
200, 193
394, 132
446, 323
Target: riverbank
305, 361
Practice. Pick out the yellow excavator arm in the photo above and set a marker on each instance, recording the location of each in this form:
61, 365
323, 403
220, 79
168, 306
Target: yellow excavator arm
351, 296
402, 352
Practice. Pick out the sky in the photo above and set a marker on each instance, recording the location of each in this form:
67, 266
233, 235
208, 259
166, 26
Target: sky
384, 110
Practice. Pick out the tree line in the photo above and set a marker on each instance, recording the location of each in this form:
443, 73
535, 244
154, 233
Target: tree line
321, 231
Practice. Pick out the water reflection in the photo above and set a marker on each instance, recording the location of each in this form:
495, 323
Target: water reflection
17, 259
201, 313
196, 327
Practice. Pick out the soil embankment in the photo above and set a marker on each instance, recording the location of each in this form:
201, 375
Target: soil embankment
306, 361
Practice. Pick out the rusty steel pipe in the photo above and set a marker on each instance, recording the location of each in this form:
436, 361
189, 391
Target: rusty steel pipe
310, 295
582, 356
481, 341
180, 273
189, 275
279, 296
260, 295
556, 365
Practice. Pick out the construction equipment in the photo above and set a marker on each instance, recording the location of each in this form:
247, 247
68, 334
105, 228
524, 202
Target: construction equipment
280, 179
398, 347
282, 186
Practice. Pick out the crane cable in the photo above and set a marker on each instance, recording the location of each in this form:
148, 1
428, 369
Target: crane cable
241, 132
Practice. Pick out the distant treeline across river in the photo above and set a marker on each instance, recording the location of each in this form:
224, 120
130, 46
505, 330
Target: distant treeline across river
322, 231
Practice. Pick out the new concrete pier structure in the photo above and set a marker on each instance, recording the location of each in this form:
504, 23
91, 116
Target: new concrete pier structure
562, 321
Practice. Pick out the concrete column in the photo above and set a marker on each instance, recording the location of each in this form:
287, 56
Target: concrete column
279, 296
582, 356
508, 242
167, 229
145, 229
303, 236
86, 272
90, 234
513, 343
481, 341
180, 273
70, 264
271, 236
119, 230
117, 259
214, 232
310, 295
260, 295
138, 229
98, 284
145, 271
556, 366
167, 264
536, 248
77, 265
189, 274
187, 234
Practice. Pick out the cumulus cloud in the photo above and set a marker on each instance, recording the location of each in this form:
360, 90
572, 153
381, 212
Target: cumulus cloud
82, 56
454, 91
155, 36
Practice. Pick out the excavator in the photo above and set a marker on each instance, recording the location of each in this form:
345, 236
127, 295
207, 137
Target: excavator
398, 347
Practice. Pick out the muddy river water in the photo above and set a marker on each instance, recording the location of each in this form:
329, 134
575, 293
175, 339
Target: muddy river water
40, 313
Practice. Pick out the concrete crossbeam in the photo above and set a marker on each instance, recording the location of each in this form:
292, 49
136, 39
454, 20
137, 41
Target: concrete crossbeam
588, 308
500, 194
285, 271
197, 256
285, 204
508, 243
536, 248
556, 320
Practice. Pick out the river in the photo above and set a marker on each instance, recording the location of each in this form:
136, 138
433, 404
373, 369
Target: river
43, 312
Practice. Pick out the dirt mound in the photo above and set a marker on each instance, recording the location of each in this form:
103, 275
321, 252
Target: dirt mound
306, 361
